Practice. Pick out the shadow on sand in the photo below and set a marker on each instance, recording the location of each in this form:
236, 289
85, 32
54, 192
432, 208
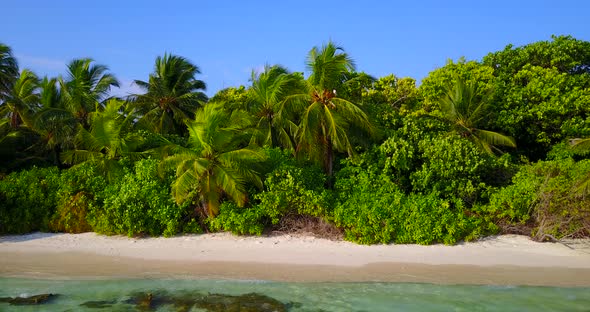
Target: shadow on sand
27, 237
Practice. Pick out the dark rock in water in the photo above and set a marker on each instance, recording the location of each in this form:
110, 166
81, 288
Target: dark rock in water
251, 302
153, 300
98, 304
32, 300
142, 301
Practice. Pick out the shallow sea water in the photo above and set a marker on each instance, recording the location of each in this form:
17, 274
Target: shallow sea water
299, 296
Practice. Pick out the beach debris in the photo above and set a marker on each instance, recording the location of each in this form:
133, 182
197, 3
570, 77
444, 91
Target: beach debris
101, 304
30, 300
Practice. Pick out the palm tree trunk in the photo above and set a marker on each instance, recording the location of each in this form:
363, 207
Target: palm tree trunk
205, 208
273, 134
200, 214
15, 120
329, 161
56, 157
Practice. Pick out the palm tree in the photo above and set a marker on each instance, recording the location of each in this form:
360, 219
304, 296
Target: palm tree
16, 112
85, 87
55, 125
8, 70
110, 138
269, 90
465, 110
215, 163
172, 96
22, 99
326, 118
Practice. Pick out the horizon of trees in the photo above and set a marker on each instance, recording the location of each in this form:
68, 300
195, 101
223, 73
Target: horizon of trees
461, 140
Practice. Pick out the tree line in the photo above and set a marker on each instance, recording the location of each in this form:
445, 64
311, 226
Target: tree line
479, 147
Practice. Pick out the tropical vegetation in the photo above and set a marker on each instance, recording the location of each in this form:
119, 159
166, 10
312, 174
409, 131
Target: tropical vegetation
479, 147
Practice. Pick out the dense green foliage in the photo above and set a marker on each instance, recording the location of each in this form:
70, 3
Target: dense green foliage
290, 190
498, 145
544, 192
542, 90
139, 203
80, 193
372, 208
27, 200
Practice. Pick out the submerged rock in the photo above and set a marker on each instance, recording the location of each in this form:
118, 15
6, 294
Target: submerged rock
150, 301
32, 300
98, 304
251, 302
142, 301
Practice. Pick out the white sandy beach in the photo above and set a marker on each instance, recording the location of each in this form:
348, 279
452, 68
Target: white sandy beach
508, 259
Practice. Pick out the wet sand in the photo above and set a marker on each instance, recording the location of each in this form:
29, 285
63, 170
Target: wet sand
503, 260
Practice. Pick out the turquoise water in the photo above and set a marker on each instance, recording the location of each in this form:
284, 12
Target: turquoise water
298, 296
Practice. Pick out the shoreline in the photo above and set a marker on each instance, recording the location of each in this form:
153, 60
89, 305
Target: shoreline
501, 260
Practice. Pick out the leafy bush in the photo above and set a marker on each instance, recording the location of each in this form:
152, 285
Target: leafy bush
139, 204
27, 200
372, 209
293, 190
290, 190
543, 194
238, 220
70, 217
78, 196
423, 157
451, 166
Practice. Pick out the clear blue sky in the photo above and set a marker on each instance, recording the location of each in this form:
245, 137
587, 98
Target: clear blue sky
227, 39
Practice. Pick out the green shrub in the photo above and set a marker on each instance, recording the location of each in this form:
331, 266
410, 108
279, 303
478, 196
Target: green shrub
372, 209
543, 197
70, 217
78, 197
423, 157
27, 200
238, 220
139, 204
451, 166
293, 190
290, 189
191, 225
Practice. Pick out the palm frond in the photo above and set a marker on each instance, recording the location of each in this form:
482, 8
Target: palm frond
582, 187
183, 185
582, 145
464, 107
231, 182
494, 138
8, 69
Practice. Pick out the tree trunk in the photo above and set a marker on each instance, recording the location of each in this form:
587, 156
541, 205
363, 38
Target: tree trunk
56, 157
274, 140
329, 161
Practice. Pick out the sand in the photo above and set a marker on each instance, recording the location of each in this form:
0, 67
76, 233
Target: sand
502, 260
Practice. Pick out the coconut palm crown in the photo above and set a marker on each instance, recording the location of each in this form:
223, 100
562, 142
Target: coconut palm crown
465, 110
326, 117
215, 163
172, 95
85, 87
8, 70
276, 125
